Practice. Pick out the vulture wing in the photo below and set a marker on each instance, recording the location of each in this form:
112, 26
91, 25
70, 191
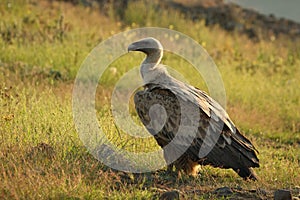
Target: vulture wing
179, 105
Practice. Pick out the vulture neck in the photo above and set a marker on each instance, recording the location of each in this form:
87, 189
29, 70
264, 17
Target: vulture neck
149, 67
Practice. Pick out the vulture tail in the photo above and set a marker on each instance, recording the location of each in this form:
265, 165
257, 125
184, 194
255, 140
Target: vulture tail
246, 173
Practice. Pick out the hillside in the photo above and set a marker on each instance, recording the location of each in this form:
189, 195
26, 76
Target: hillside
228, 16
232, 17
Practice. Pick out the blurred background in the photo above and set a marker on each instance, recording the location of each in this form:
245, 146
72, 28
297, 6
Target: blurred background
281, 9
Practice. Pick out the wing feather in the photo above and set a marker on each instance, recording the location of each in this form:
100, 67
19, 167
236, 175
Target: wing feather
232, 149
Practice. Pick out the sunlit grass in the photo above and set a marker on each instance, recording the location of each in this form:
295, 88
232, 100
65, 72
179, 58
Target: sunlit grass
42, 45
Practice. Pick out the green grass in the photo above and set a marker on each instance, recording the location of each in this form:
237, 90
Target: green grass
42, 45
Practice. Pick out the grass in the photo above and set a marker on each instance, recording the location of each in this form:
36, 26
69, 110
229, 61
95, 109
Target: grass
42, 45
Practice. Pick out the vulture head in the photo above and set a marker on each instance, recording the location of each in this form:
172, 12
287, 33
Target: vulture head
147, 45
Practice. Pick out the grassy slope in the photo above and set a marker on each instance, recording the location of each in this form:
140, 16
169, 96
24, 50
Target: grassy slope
41, 47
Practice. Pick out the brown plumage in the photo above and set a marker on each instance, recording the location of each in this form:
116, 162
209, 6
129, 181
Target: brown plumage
191, 127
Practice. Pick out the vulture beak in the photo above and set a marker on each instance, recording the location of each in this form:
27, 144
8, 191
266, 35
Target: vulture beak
132, 47
137, 46
146, 45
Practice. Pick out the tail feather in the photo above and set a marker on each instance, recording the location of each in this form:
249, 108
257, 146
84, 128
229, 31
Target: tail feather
246, 173
235, 157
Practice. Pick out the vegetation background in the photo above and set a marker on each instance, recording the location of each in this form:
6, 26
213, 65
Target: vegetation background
42, 44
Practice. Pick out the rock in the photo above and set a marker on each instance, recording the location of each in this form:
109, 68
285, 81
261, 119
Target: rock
223, 191
282, 195
170, 195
